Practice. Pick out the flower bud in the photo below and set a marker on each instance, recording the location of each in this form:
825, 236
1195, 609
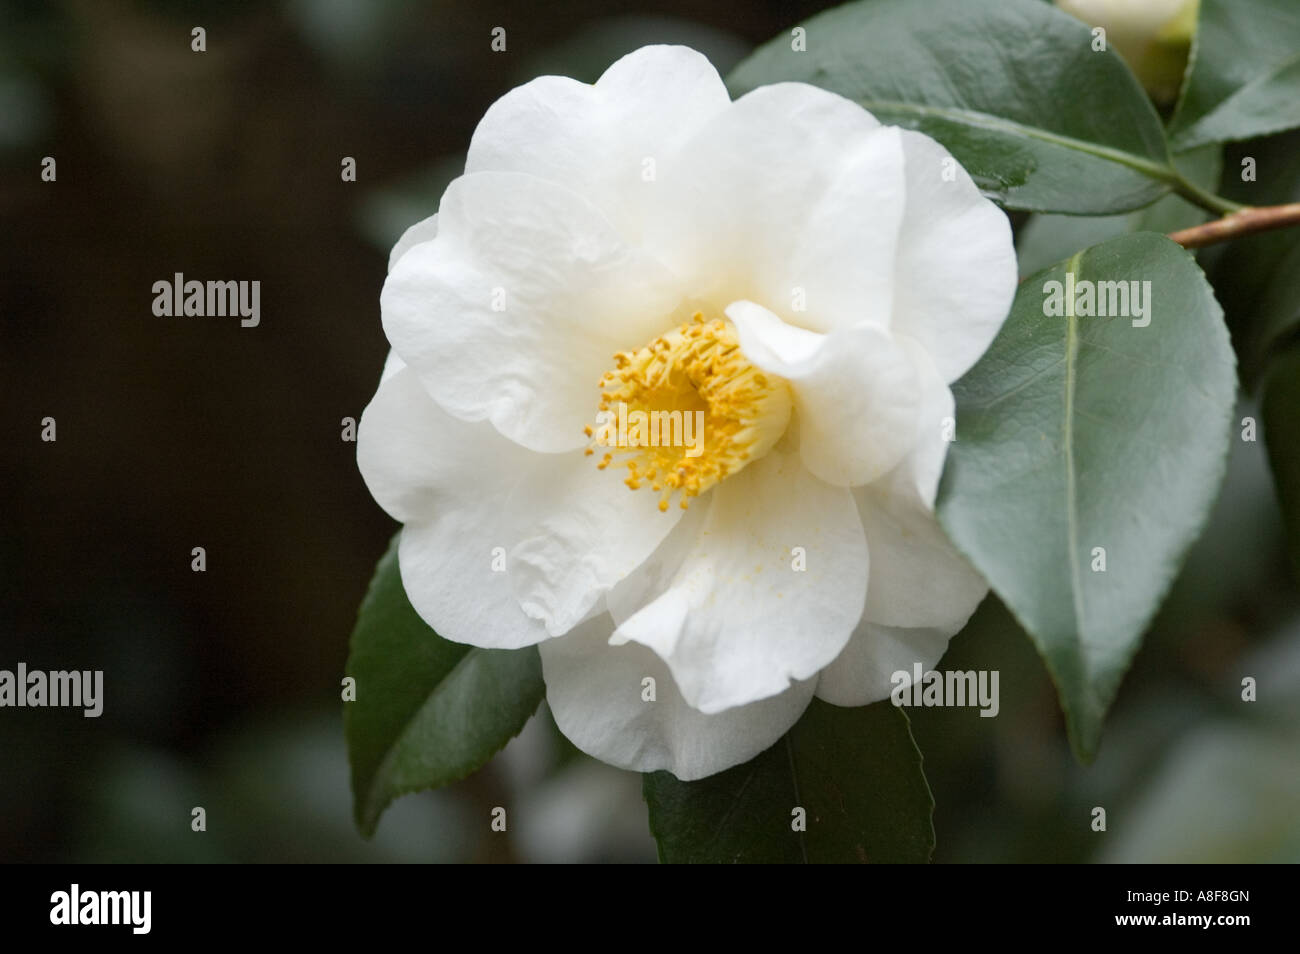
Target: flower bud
1153, 36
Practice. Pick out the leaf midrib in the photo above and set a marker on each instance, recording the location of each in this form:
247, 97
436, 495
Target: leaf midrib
1154, 170
390, 753
1071, 489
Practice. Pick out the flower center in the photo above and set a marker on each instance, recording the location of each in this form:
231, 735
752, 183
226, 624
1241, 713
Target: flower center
688, 410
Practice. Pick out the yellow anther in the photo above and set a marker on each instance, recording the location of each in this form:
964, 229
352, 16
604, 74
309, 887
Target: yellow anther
688, 410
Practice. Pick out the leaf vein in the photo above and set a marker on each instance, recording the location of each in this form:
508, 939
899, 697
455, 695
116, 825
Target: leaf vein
1155, 170
1071, 490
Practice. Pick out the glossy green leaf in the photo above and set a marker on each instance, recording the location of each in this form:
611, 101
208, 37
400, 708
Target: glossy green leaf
427, 711
1276, 316
1047, 239
1280, 411
1244, 79
856, 773
1012, 88
1079, 433
1253, 275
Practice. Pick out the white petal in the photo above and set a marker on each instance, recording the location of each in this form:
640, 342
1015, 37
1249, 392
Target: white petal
595, 691
956, 266
917, 474
589, 532
596, 139
918, 579
515, 309
862, 674
792, 198
422, 231
567, 531
921, 593
655, 574
446, 480
856, 390
738, 622
448, 574
417, 460
392, 364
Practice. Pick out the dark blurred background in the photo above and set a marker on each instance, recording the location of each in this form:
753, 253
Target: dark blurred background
222, 688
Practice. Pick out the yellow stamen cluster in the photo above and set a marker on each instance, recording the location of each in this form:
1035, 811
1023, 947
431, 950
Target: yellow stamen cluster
697, 367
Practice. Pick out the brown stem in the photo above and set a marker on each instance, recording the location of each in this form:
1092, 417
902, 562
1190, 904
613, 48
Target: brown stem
1237, 224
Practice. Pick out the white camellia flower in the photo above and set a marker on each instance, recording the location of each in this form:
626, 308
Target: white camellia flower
808, 279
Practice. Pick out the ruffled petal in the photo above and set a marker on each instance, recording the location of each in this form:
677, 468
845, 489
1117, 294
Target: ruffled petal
769, 593
863, 673
514, 310
417, 460
918, 579
656, 572
921, 593
917, 474
792, 198
423, 231
588, 532
446, 480
598, 696
610, 141
857, 392
955, 273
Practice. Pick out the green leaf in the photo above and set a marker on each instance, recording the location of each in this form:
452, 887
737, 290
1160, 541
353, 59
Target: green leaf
1244, 77
1047, 239
1257, 277
1012, 88
855, 772
1276, 318
427, 711
1082, 432
1280, 410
